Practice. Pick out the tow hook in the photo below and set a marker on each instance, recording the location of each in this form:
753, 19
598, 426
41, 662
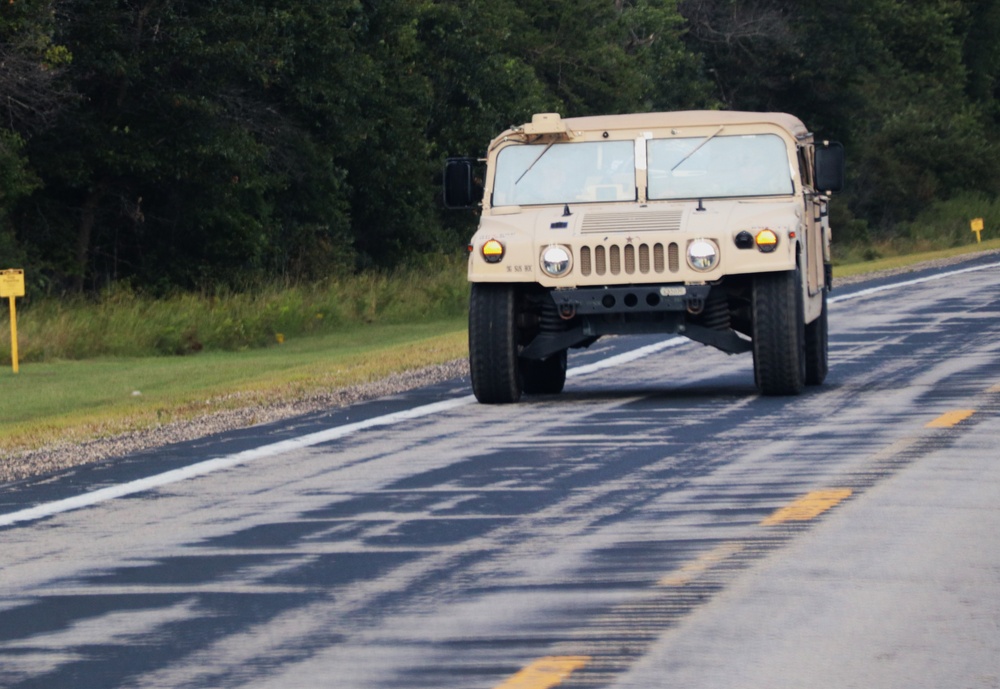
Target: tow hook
695, 306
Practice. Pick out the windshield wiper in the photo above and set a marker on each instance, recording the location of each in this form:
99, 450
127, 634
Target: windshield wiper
693, 150
544, 151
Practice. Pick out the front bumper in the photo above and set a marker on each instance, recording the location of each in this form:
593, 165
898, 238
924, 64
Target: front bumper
591, 312
630, 299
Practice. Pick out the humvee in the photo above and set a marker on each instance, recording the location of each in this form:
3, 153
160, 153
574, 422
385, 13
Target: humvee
709, 224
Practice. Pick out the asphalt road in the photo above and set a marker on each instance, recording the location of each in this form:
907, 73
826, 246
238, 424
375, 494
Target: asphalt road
657, 525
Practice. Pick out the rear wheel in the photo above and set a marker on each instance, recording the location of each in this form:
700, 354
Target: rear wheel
779, 352
545, 377
493, 362
817, 348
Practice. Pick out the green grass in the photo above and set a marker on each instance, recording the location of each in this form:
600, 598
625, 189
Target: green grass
942, 225
77, 400
125, 323
901, 260
126, 361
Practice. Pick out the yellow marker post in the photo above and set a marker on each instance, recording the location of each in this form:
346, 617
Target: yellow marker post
977, 227
12, 286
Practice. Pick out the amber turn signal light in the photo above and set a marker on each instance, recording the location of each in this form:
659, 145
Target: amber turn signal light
492, 251
767, 241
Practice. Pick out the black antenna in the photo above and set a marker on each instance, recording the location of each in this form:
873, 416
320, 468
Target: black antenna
566, 212
701, 206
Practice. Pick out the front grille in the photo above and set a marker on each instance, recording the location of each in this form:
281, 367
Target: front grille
615, 259
632, 221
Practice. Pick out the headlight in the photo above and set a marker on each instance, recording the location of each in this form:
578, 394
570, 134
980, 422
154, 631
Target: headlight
556, 261
492, 251
767, 241
703, 254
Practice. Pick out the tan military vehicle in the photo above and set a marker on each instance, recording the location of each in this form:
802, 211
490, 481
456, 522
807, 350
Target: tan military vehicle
708, 224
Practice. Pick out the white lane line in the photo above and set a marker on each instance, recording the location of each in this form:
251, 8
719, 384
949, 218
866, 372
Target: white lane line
220, 463
917, 281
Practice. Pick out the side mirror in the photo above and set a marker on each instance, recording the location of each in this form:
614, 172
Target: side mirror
829, 166
461, 190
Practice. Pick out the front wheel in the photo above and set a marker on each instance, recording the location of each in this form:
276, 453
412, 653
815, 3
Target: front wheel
779, 353
493, 345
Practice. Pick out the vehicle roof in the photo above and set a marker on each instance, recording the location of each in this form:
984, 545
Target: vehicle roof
688, 118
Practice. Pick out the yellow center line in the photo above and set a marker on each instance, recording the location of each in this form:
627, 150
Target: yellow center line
952, 418
808, 506
545, 672
684, 575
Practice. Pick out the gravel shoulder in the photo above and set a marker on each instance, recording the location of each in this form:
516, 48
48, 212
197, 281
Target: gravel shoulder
61, 456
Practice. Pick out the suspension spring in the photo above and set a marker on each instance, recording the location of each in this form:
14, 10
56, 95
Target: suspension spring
716, 313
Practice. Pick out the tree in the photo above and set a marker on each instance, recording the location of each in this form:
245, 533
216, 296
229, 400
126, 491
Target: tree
32, 95
885, 76
179, 143
918, 137
185, 158
981, 53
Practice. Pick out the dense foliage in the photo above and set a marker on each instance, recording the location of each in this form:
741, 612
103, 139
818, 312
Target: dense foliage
183, 143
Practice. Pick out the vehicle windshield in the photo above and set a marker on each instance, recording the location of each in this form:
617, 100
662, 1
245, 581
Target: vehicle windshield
586, 172
748, 165
682, 168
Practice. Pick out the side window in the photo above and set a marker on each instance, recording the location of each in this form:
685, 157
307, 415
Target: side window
806, 165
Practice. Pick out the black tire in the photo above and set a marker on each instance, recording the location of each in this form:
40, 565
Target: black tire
817, 348
545, 377
493, 363
779, 356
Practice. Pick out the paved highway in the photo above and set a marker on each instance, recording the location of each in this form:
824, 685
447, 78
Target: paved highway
657, 525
